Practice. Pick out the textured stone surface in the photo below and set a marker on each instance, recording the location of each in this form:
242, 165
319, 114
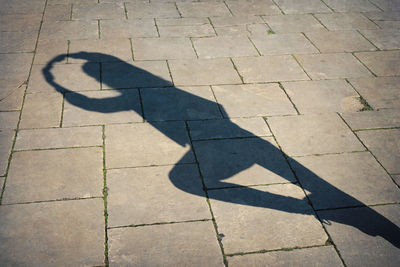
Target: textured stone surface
384, 39
9, 120
385, 145
323, 96
235, 20
385, 118
54, 233
11, 96
49, 49
6, 141
226, 46
243, 30
151, 10
346, 21
253, 7
192, 244
269, 69
110, 29
318, 256
344, 180
147, 144
86, 11
332, 66
182, 21
313, 134
205, 30
75, 173
382, 63
14, 67
58, 138
69, 30
203, 9
249, 161
293, 23
284, 225
17, 22
302, 7
13, 42
161, 194
253, 100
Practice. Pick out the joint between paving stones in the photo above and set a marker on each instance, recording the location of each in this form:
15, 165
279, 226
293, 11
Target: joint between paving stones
230, 11
376, 6
251, 41
377, 48
249, 186
125, 10
194, 49
212, 25
305, 36
105, 195
298, 62
157, 223
155, 24
234, 66
364, 102
320, 22
216, 101
290, 99
359, 60
283, 13
141, 105
52, 148
328, 6
52, 200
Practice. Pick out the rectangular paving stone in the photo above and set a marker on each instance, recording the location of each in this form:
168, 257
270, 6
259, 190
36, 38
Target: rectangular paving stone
340, 41
332, 66
57, 2
243, 30
380, 92
9, 120
384, 39
182, 21
273, 44
253, 7
315, 134
302, 7
54, 233
135, 74
293, 23
205, 30
86, 11
151, 10
253, 100
56, 12
214, 47
382, 63
158, 143
249, 161
202, 72
346, 21
385, 118
49, 49
41, 110
235, 20
354, 5
18, 22
388, 24
203, 9
6, 141
122, 28
324, 256
279, 212
161, 194
73, 77
101, 107
387, 5
379, 15
192, 244
323, 96
22, 7
385, 145
14, 68
344, 180
228, 128
13, 42
269, 69
374, 243
100, 50
58, 138
189, 103
11, 97
162, 48
69, 30
74, 173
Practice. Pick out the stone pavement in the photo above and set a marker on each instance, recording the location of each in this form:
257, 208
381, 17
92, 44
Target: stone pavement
200, 133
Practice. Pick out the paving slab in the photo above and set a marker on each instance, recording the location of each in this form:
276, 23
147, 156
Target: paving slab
188, 103
314, 134
385, 118
228, 128
86, 11
75, 173
182, 21
388, 24
54, 233
253, 100
269, 69
6, 142
11, 97
56, 12
340, 41
323, 96
318, 256
346, 21
253, 7
18, 22
69, 30
101, 107
354, 5
144, 144
9, 120
387, 5
384, 39
387, 15
202, 72
13, 42
241, 224
131, 74
203, 9
100, 50
59, 138
303, 7
48, 49
382, 63
162, 48
72, 77
57, 2
344, 180
235, 20
243, 30
193, 244
205, 30
161, 194
14, 68
385, 145
332, 66
366, 247
380, 92
41, 110
22, 7
151, 10
273, 44
226, 46
293, 23
123, 28
248, 161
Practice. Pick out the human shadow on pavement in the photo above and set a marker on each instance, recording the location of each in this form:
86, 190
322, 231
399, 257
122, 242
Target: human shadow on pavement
258, 151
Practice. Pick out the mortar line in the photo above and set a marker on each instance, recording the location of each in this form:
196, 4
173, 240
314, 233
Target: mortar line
52, 148
177, 9
170, 74
156, 223
230, 11
320, 22
194, 49
376, 6
141, 105
273, 250
70, 14
68, 50
376, 129
105, 195
237, 71
52, 200
301, 66
377, 48
62, 109
212, 25
305, 36
359, 60
155, 24
290, 99
125, 10
98, 30
366, 105
365, 16
131, 46
255, 47
328, 6
283, 13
